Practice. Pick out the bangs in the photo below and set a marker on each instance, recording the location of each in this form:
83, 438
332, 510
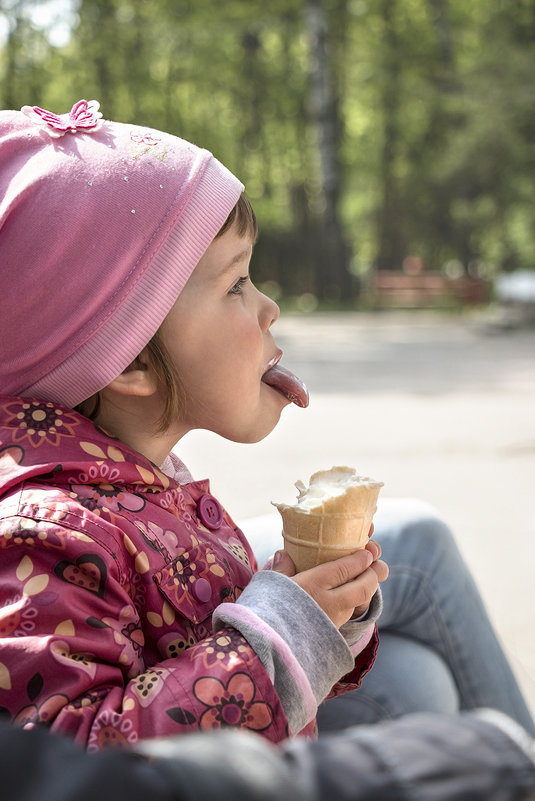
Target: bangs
243, 216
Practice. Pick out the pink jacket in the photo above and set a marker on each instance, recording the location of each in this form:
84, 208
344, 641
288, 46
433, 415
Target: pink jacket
110, 575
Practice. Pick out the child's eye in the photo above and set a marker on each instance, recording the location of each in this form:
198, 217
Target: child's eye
237, 288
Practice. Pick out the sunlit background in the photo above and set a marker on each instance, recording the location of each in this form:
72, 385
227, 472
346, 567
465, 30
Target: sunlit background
372, 135
388, 147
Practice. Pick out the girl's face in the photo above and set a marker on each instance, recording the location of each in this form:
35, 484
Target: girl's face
218, 335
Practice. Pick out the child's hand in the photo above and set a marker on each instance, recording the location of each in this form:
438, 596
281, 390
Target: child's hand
342, 588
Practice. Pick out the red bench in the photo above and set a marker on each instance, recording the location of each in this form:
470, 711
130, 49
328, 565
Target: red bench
426, 289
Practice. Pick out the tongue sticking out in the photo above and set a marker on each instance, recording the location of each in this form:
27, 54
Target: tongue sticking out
289, 384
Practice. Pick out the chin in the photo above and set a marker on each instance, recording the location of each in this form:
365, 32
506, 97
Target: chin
255, 434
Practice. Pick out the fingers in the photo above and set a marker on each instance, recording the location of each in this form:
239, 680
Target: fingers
283, 563
374, 548
340, 571
369, 586
343, 587
381, 569
361, 589
341, 602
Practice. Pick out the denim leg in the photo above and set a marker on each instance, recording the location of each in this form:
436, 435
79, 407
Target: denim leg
406, 677
438, 650
434, 623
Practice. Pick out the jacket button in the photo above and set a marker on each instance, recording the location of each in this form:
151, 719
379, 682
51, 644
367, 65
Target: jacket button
202, 590
210, 511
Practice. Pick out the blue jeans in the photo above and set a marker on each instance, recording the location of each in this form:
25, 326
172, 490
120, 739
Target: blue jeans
438, 650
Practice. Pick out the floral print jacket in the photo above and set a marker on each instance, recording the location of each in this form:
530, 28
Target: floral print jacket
110, 575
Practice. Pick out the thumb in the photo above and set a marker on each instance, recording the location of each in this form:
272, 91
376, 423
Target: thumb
282, 563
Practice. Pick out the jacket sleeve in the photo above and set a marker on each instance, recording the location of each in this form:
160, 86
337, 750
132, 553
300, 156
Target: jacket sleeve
74, 653
422, 756
474, 755
437, 758
303, 652
39, 765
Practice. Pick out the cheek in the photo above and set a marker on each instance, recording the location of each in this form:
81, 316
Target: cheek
217, 349
236, 342
186, 342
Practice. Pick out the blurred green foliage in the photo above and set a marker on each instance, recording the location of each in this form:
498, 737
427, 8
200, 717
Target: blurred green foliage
365, 131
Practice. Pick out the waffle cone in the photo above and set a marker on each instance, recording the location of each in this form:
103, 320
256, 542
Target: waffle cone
334, 527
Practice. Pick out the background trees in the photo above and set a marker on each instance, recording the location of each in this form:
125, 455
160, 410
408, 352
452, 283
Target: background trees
367, 132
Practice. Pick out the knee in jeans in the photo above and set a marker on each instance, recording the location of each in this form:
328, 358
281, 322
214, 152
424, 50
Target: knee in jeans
412, 532
430, 532
428, 544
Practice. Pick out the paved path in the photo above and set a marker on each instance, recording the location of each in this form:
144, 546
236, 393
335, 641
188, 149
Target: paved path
441, 408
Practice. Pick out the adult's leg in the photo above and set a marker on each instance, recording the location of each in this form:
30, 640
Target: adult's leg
438, 647
407, 677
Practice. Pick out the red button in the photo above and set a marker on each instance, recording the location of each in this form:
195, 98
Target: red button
210, 511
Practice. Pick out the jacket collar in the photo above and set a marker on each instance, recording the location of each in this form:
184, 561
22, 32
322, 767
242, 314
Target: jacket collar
45, 440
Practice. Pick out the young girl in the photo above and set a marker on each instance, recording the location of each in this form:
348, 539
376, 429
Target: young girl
130, 602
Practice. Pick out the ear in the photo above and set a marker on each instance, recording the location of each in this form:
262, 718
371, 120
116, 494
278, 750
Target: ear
138, 379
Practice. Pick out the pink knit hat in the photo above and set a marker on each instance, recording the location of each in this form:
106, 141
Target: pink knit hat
101, 225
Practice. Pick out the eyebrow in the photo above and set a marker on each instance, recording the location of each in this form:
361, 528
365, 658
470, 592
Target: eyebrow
241, 256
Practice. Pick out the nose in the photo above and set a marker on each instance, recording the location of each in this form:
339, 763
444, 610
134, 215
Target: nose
269, 312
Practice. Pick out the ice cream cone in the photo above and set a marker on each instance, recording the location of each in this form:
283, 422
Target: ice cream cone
332, 517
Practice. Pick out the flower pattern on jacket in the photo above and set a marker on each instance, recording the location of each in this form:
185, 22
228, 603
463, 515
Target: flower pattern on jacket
108, 582
39, 423
224, 649
231, 704
18, 617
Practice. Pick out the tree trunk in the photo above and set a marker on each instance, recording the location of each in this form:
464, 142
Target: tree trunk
333, 276
389, 219
439, 17
101, 38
